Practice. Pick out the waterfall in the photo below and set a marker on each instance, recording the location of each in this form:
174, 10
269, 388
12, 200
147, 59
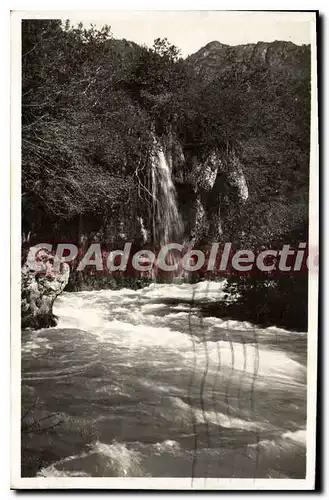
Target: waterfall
167, 221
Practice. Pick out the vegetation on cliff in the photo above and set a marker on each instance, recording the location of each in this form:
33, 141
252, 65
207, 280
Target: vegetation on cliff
92, 104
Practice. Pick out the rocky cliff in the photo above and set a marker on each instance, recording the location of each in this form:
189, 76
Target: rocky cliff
216, 58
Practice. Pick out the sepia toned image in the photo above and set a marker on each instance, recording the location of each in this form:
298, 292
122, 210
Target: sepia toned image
164, 249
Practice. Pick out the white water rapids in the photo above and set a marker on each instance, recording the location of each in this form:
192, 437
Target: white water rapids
143, 383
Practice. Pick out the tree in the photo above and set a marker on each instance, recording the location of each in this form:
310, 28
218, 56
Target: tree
76, 128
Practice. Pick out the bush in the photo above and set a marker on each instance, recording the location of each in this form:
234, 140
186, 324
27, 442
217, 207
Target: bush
281, 302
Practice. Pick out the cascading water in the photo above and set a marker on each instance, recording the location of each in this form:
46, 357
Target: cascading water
138, 383
146, 383
167, 222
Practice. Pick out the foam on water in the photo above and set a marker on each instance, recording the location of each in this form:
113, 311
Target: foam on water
297, 436
35, 342
168, 446
281, 444
52, 471
220, 419
123, 461
150, 357
133, 327
115, 459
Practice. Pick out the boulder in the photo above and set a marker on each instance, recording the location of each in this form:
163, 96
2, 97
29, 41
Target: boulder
42, 281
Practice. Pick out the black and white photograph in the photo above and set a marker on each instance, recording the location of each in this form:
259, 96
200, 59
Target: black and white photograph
165, 249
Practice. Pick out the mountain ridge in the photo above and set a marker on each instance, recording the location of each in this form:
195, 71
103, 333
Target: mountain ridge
216, 57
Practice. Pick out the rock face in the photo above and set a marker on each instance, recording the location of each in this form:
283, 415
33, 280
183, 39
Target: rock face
211, 178
40, 287
216, 58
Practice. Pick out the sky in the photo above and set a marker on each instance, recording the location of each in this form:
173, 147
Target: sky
191, 30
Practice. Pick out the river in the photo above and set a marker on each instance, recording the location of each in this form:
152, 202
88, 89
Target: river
143, 383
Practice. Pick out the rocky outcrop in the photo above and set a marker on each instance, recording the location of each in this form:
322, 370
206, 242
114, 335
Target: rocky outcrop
210, 178
40, 287
217, 58
218, 175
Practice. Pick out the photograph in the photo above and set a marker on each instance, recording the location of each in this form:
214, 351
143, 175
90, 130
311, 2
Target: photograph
165, 249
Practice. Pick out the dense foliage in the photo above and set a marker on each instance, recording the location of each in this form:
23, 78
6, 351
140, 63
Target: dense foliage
90, 105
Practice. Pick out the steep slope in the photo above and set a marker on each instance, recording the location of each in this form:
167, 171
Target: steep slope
260, 95
216, 58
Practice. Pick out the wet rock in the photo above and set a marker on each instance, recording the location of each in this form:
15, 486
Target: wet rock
42, 281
